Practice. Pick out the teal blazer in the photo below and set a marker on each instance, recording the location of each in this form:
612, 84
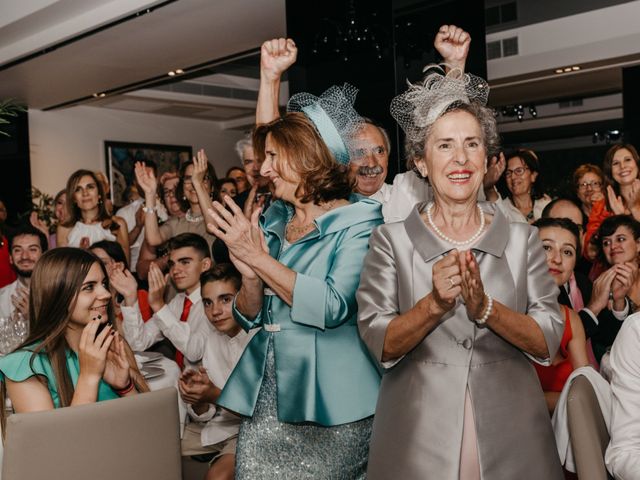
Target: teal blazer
324, 373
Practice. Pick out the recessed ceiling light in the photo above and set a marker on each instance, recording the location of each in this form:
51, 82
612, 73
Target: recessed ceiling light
559, 70
567, 69
575, 68
172, 73
179, 71
99, 95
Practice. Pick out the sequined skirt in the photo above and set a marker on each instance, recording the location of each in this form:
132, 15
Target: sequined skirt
272, 450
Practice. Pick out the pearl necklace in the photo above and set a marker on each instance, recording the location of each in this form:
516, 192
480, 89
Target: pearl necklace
190, 217
449, 239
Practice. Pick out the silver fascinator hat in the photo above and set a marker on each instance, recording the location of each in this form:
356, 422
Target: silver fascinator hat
334, 117
424, 102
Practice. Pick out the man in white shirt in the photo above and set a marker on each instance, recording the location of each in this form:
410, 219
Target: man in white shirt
26, 246
182, 321
133, 214
214, 431
623, 454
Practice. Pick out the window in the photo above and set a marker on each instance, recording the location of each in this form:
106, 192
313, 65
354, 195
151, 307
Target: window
507, 12
510, 46
494, 50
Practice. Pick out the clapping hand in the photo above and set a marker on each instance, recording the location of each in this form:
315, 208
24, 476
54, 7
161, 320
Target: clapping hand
624, 278
93, 348
116, 370
615, 202
20, 300
196, 387
453, 44
125, 284
446, 281
157, 284
276, 56
243, 236
601, 289
472, 292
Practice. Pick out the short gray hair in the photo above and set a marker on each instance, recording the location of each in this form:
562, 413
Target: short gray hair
415, 150
383, 132
243, 143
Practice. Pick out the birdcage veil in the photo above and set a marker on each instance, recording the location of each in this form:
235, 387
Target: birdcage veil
424, 102
334, 117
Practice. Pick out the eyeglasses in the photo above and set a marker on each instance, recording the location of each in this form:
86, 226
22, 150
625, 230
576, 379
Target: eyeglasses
595, 185
169, 193
518, 172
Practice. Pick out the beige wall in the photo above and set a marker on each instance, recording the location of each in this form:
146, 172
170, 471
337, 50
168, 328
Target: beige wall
63, 141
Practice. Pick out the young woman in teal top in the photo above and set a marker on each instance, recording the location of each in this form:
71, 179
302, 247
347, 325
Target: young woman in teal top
305, 379
66, 360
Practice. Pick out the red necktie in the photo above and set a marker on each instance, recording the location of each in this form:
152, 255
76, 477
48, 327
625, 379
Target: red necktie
183, 318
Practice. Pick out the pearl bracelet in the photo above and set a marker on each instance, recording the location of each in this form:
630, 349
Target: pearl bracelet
482, 320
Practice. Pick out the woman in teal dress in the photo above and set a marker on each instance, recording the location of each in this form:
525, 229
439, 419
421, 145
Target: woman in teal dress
72, 355
305, 382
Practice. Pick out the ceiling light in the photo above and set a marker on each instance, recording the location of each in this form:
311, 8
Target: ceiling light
99, 95
559, 70
567, 69
575, 68
179, 71
172, 73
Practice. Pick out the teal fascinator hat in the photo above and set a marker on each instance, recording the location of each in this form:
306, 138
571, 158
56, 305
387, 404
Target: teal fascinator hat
334, 117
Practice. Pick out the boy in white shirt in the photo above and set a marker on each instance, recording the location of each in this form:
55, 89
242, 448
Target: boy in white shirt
182, 321
200, 388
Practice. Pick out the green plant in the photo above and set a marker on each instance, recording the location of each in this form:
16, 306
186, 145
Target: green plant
9, 108
44, 207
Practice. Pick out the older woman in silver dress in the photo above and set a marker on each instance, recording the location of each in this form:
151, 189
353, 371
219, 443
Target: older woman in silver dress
454, 302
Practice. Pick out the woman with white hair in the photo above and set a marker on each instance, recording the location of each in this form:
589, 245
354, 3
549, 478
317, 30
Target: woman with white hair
454, 302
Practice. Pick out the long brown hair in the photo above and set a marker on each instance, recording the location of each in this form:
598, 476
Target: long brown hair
75, 215
55, 283
322, 178
608, 162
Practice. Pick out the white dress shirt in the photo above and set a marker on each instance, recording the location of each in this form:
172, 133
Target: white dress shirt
128, 213
6, 292
623, 454
220, 357
188, 337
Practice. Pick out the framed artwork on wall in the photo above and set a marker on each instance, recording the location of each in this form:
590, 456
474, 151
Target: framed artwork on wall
122, 156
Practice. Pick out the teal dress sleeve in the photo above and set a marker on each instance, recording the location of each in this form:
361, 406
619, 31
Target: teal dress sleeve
329, 302
18, 366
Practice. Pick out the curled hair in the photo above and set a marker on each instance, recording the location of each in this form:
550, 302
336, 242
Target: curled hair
180, 196
415, 149
608, 162
322, 178
564, 223
530, 159
609, 227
